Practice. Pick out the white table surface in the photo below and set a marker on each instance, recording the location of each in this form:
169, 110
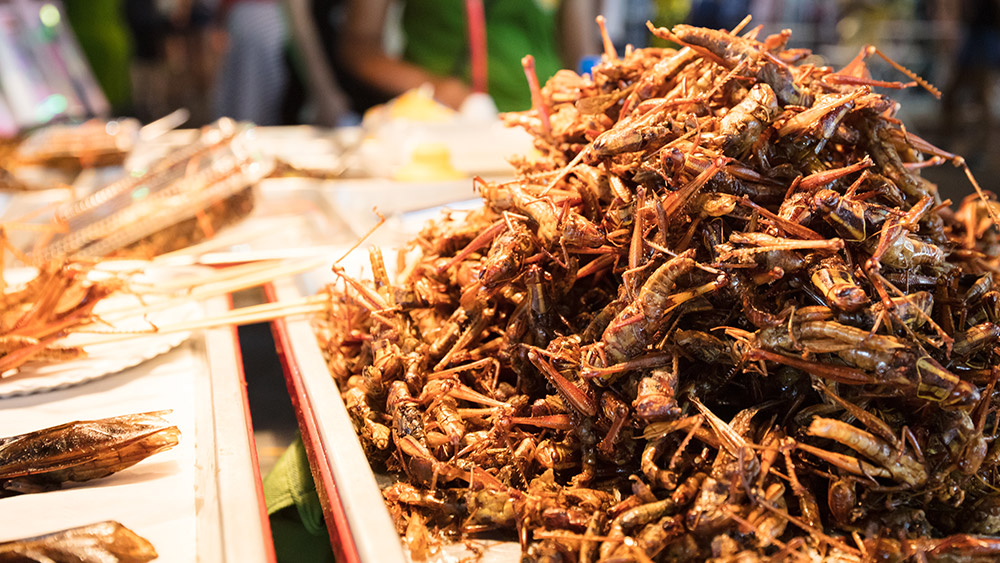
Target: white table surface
197, 501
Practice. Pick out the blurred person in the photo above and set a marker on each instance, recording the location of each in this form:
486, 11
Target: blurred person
253, 78
288, 43
313, 29
148, 27
976, 63
557, 34
190, 55
717, 14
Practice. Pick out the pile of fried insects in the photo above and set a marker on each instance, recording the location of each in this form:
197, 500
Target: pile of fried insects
720, 315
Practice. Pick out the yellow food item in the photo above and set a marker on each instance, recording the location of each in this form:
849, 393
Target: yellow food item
428, 162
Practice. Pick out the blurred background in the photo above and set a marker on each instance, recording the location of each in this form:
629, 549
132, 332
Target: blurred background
223, 57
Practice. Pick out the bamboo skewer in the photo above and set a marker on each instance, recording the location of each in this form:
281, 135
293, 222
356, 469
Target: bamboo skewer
237, 317
178, 291
260, 270
211, 285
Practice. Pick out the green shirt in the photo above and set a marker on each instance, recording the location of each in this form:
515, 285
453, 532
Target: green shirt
100, 30
437, 40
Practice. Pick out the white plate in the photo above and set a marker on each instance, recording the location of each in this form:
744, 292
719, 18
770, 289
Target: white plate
108, 358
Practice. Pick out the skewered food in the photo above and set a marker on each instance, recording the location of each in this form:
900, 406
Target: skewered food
176, 201
721, 316
73, 147
214, 216
63, 150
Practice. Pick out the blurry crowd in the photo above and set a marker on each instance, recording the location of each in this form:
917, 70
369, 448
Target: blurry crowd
326, 61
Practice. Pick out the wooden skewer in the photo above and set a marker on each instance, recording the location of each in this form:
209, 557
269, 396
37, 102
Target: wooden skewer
264, 269
204, 287
237, 317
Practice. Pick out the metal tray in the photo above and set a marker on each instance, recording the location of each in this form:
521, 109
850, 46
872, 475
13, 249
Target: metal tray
233, 524
358, 523
321, 219
349, 488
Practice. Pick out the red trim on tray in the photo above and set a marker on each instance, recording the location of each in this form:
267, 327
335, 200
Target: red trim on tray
254, 463
341, 540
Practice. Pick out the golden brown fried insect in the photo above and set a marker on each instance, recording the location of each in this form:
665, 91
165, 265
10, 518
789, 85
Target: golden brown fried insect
731, 51
82, 450
721, 232
94, 543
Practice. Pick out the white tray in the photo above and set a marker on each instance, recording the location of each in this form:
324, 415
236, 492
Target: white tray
201, 500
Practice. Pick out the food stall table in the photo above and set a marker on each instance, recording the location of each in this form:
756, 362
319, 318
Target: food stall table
201, 500
292, 217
